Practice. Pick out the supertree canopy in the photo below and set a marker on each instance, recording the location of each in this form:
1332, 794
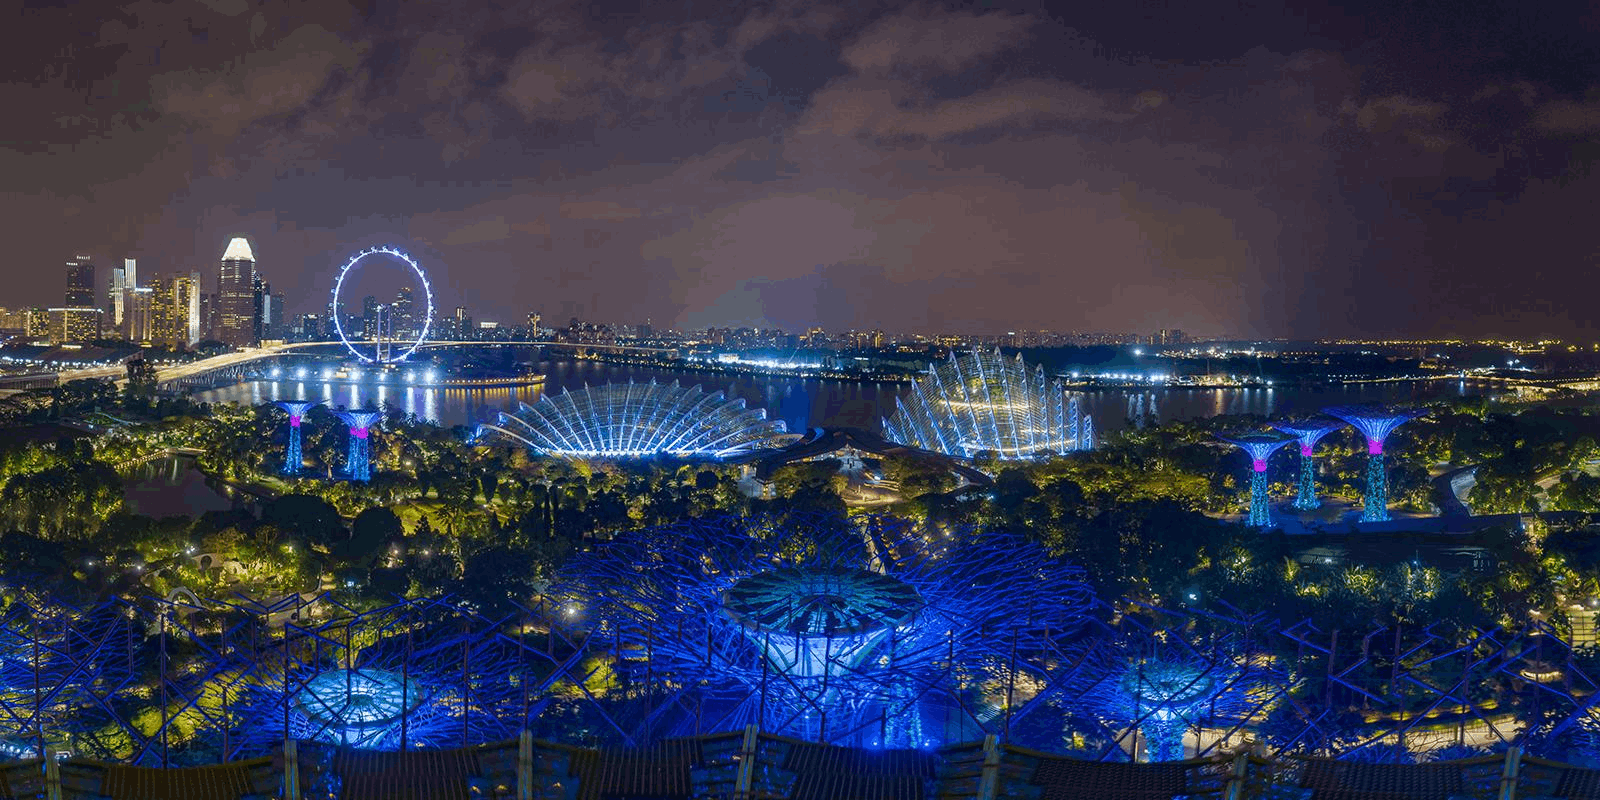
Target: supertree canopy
358, 465
1375, 423
872, 631
1260, 446
1308, 433
293, 461
982, 402
634, 420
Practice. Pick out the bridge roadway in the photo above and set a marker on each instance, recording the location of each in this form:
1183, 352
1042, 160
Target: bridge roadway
190, 369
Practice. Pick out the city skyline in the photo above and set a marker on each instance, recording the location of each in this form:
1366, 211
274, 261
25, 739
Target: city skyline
1293, 171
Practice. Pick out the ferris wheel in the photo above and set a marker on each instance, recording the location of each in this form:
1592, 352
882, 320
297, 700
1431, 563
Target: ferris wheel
384, 351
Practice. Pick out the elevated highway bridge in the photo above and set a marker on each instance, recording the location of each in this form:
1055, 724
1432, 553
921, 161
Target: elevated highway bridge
242, 358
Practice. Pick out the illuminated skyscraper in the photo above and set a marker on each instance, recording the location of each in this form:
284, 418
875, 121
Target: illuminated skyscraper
405, 321
80, 282
140, 315
123, 278
236, 297
186, 296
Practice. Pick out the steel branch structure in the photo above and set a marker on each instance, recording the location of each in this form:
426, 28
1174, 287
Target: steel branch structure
873, 632
1375, 423
293, 460
1308, 433
1260, 446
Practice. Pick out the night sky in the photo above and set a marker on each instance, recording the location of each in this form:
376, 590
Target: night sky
1251, 169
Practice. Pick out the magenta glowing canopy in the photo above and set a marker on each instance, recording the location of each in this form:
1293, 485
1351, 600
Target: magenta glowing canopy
1308, 432
1375, 422
1260, 446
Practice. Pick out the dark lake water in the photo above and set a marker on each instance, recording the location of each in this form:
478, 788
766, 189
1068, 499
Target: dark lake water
169, 486
814, 403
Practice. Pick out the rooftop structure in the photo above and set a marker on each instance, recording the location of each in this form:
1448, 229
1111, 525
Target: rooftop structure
824, 628
639, 420
293, 460
357, 463
1260, 446
981, 402
1375, 423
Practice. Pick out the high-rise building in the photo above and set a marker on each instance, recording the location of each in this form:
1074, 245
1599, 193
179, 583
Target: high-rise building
80, 282
139, 315
369, 317
308, 328
267, 313
279, 324
236, 294
165, 329
123, 278
405, 321
76, 325
187, 298
14, 320
37, 323
208, 315
175, 310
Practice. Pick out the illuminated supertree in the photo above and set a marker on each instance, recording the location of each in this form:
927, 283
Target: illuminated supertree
1375, 423
358, 466
872, 631
296, 409
1260, 446
637, 420
1308, 432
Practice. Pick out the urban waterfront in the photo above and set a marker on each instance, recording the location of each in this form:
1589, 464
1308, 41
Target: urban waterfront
803, 404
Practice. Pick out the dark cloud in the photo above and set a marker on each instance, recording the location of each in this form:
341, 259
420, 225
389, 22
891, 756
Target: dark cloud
1270, 169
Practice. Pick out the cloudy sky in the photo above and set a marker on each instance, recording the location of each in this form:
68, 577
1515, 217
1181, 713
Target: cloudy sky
1226, 168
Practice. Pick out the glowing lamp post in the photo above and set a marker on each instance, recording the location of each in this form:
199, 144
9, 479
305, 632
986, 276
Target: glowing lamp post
1376, 424
296, 409
1260, 446
357, 464
1308, 433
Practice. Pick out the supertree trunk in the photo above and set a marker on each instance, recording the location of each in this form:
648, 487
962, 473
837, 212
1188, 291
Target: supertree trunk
1260, 511
1376, 501
1306, 498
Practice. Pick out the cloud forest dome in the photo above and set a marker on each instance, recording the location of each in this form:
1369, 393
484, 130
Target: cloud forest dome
871, 631
980, 402
639, 420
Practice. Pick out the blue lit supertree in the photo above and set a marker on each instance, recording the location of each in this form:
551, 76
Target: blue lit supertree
296, 409
1260, 446
873, 631
1309, 433
1375, 423
358, 466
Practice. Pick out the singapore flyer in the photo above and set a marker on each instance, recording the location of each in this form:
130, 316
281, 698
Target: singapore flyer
410, 346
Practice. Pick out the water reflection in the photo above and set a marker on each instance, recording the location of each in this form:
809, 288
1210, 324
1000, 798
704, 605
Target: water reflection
804, 403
